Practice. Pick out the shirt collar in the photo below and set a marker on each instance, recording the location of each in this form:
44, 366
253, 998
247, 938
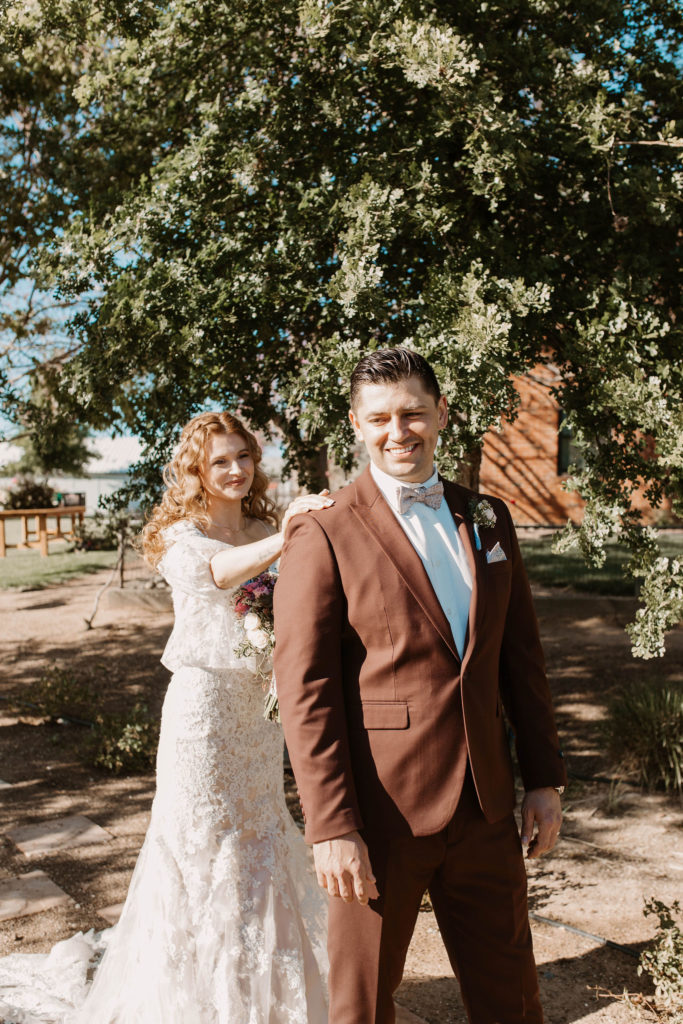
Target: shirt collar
391, 487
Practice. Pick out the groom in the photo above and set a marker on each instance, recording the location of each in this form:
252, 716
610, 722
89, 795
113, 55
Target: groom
404, 623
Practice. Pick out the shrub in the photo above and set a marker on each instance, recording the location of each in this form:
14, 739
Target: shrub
26, 492
663, 961
125, 744
96, 534
58, 692
645, 733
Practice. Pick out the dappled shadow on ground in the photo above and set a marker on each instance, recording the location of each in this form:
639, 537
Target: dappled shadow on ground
81, 789
51, 602
119, 662
126, 639
55, 790
570, 987
588, 657
545, 887
574, 986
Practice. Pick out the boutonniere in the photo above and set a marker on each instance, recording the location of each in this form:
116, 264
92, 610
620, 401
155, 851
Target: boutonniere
481, 515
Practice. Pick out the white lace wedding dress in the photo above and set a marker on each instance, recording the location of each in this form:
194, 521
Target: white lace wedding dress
224, 922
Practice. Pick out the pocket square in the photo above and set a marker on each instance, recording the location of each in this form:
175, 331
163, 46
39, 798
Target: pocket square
496, 554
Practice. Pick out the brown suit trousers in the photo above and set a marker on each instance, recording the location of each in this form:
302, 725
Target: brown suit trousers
474, 873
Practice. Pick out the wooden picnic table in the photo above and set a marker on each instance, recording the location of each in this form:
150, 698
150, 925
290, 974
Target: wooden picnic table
37, 536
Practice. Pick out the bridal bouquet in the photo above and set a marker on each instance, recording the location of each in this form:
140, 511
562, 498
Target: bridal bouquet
254, 609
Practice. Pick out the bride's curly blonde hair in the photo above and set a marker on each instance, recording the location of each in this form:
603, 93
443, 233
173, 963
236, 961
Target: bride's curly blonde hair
185, 497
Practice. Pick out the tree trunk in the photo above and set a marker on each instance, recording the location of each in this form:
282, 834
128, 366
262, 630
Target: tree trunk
468, 470
312, 469
311, 463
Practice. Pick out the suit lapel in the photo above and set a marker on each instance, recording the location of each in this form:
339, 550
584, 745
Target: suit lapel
457, 499
379, 520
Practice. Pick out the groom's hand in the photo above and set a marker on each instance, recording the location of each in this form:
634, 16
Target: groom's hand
343, 868
541, 807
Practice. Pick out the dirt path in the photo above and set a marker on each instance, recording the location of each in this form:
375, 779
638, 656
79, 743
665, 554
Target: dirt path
618, 845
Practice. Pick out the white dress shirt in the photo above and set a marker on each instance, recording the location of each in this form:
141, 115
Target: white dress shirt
433, 534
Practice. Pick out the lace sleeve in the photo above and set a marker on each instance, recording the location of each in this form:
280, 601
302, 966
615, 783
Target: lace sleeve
205, 632
186, 562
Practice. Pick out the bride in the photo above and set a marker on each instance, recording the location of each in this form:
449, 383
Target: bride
224, 922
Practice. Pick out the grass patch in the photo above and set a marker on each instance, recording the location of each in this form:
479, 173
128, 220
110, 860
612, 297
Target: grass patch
570, 570
28, 569
644, 731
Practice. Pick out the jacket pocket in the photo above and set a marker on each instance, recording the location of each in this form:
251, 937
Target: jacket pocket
380, 714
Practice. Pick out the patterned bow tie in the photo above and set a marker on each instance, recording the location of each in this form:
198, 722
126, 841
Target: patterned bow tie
432, 496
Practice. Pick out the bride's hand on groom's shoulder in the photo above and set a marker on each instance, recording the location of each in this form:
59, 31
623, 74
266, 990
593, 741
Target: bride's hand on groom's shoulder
306, 503
343, 868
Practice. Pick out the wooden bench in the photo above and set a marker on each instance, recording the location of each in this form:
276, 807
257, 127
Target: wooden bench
38, 535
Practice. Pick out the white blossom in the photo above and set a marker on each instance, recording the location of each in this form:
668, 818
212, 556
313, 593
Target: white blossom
258, 638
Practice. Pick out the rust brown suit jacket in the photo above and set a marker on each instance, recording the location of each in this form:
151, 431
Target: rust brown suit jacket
379, 712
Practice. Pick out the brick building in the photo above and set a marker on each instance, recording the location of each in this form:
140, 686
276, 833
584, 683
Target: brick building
526, 462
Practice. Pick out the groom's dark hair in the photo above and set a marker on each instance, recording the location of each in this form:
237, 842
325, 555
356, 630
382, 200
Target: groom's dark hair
389, 366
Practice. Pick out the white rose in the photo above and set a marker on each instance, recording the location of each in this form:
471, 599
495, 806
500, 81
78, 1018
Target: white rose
251, 621
257, 638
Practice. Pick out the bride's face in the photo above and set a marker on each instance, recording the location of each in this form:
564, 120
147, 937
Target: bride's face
227, 469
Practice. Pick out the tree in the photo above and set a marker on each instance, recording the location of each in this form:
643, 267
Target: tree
60, 446
69, 456
38, 113
493, 184
51, 164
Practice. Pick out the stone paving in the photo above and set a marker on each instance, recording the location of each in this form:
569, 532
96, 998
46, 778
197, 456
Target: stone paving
34, 891
58, 834
29, 894
112, 913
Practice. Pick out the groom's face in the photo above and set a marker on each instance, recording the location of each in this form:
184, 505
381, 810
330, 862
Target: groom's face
399, 425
